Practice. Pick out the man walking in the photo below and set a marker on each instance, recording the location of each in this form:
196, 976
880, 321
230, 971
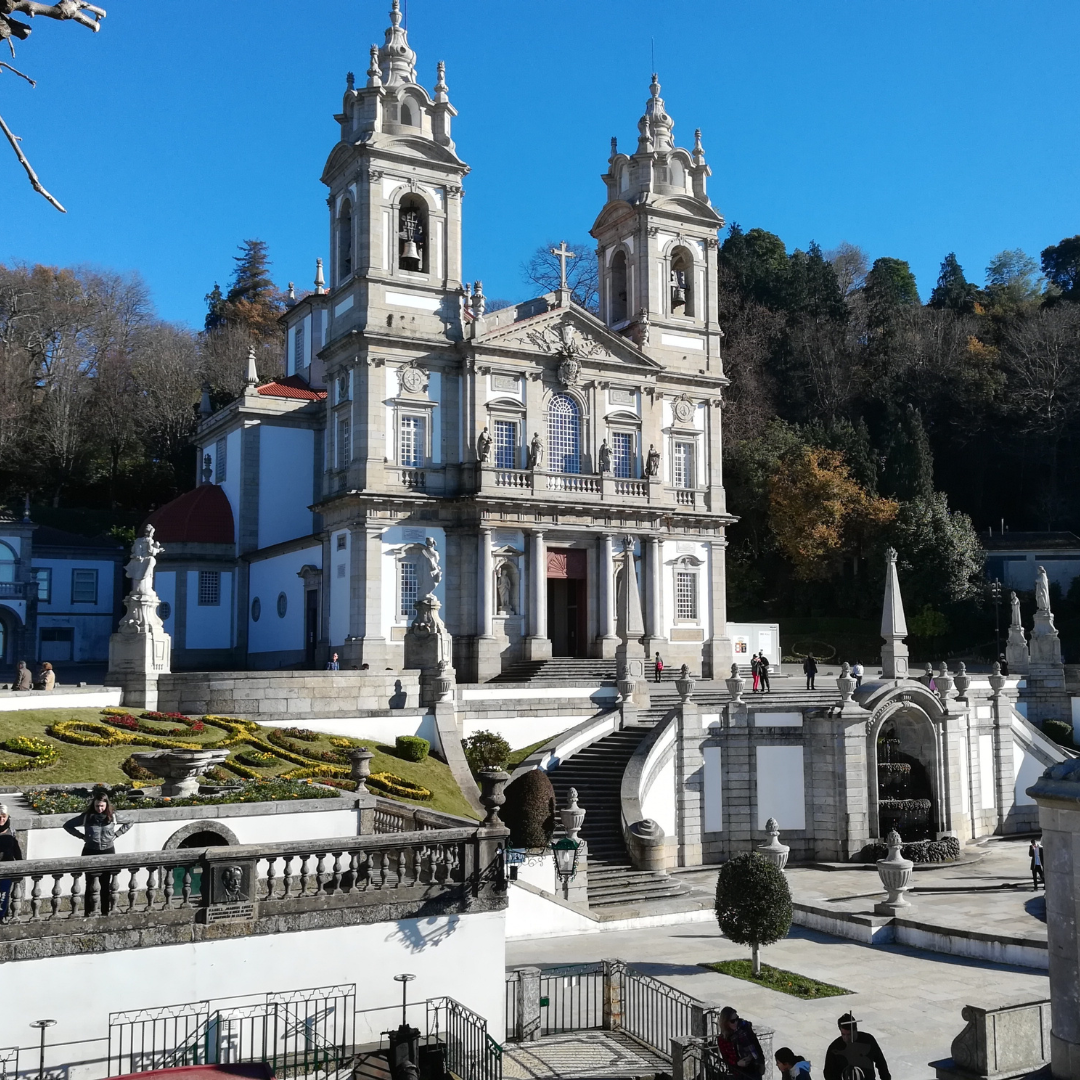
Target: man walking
857, 673
855, 1054
659, 667
1035, 856
763, 664
809, 666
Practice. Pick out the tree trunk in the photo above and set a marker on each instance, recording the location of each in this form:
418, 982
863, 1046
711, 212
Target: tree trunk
755, 952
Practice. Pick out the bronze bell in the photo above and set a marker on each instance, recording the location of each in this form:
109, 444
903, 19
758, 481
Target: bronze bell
411, 252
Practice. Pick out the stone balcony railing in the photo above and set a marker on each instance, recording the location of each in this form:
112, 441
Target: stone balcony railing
599, 488
181, 895
16, 590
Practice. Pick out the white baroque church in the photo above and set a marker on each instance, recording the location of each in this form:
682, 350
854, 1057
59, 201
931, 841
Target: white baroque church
533, 444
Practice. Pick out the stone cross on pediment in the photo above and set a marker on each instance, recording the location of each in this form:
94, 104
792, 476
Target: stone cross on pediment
562, 253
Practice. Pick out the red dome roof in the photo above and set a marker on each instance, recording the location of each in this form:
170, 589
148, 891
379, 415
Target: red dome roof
202, 516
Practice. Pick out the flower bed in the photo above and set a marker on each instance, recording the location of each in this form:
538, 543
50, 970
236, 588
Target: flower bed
33, 753
258, 759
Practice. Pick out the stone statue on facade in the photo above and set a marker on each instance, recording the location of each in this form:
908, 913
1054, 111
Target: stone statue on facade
1042, 591
430, 554
504, 583
483, 445
652, 462
140, 568
536, 451
604, 458
643, 328
1014, 606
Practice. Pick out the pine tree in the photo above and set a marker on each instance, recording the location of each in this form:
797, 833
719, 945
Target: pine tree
251, 279
215, 305
953, 291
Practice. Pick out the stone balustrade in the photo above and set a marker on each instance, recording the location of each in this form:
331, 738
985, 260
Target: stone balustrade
180, 895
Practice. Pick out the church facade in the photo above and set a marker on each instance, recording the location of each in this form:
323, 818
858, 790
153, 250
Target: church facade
533, 444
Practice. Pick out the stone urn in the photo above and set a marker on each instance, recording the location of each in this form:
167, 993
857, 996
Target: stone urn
774, 851
360, 767
180, 769
735, 685
684, 684
943, 680
493, 781
895, 874
962, 682
845, 683
572, 816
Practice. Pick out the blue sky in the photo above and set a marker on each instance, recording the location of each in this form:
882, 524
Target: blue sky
910, 128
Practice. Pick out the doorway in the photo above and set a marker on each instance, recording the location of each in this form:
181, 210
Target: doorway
311, 625
567, 602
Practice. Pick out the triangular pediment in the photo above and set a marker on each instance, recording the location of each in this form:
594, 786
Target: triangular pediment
569, 333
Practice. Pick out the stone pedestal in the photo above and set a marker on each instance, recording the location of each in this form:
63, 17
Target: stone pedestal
1005, 1042
139, 651
429, 646
1016, 651
1057, 793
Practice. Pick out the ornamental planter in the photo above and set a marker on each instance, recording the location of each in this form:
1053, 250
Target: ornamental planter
180, 769
360, 761
572, 816
492, 784
895, 874
774, 851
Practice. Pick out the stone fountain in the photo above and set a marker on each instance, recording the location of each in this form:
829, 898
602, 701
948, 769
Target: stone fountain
180, 769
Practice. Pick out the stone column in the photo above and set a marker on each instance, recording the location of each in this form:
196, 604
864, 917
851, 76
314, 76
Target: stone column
606, 595
719, 653
689, 783
365, 643
537, 644
1058, 794
488, 647
654, 597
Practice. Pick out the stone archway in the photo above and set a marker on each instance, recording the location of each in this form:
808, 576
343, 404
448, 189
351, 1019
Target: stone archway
198, 834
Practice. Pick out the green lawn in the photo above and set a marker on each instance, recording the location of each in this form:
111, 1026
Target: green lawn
786, 982
518, 756
101, 764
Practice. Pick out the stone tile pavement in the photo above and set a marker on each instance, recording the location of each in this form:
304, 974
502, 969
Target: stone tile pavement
911, 1000
584, 1053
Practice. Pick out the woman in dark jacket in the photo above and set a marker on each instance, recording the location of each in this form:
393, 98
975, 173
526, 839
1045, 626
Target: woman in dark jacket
100, 827
9, 852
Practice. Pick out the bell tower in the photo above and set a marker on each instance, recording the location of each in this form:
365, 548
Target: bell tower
657, 237
395, 198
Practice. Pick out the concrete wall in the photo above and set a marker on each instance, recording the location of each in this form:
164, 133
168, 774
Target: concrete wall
285, 466
275, 639
461, 956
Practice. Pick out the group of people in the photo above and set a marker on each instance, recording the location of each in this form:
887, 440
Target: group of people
46, 678
759, 671
853, 1055
97, 827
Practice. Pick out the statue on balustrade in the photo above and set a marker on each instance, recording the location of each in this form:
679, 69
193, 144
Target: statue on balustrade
536, 451
652, 462
483, 445
605, 457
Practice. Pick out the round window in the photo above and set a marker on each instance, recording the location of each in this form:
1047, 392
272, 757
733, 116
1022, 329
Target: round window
256, 609
282, 605
164, 609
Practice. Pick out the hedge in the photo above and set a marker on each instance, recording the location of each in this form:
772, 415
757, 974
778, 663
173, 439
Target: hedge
411, 747
1060, 731
529, 810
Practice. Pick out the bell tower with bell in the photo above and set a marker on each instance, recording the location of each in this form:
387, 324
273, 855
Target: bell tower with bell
395, 199
657, 237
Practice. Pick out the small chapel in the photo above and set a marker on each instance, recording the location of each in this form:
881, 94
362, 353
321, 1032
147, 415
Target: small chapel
517, 464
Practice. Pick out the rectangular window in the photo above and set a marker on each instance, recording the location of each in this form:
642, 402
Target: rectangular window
409, 588
209, 588
506, 444
342, 540
683, 466
686, 596
344, 442
43, 577
622, 445
84, 586
411, 442
298, 348
220, 459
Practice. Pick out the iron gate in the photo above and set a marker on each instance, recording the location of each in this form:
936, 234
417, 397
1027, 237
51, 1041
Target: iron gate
571, 998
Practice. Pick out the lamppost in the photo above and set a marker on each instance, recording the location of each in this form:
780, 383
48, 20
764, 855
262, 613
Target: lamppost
41, 1025
404, 980
995, 596
565, 853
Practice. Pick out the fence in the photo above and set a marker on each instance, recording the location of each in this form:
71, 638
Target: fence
471, 1053
9, 1063
297, 1033
571, 998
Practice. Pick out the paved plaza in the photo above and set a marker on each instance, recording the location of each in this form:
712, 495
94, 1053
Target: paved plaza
911, 1000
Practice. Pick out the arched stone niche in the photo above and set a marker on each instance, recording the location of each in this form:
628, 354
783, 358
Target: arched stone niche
184, 837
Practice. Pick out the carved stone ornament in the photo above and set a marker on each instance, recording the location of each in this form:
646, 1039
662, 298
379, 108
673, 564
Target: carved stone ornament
569, 371
684, 410
413, 379
563, 339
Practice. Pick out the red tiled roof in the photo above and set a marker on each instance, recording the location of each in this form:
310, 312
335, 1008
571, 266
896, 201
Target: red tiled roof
291, 387
202, 516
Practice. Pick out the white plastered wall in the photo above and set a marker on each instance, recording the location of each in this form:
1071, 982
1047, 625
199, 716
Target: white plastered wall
268, 578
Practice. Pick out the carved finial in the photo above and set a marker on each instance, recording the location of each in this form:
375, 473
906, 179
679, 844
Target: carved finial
374, 75
205, 408
350, 80
734, 671
995, 668
251, 376
395, 12
614, 146
292, 292
654, 86
440, 77
207, 468
320, 281
890, 555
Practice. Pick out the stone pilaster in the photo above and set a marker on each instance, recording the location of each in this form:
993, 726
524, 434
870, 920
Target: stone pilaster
689, 783
719, 652
365, 643
537, 644
488, 647
655, 641
605, 590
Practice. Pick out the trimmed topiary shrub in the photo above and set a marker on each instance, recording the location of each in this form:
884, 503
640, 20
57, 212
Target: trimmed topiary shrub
486, 750
411, 747
1059, 731
947, 849
529, 810
753, 903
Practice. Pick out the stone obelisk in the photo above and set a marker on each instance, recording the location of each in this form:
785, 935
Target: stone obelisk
894, 653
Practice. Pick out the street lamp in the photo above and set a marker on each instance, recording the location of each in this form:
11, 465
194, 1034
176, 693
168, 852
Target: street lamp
995, 596
404, 980
565, 852
41, 1025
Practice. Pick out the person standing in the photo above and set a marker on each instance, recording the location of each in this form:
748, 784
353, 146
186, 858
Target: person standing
659, 667
333, 664
854, 1050
1035, 853
99, 827
763, 664
23, 679
857, 673
809, 666
755, 671
739, 1046
10, 851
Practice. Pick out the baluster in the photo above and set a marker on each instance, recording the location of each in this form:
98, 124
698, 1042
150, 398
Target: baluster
288, 877
57, 878
400, 868
133, 891
271, 864
320, 873
363, 870
35, 899
457, 863
384, 869
417, 865
305, 876
15, 905
169, 889
335, 876
114, 890
93, 894
151, 887
348, 884
185, 889
76, 894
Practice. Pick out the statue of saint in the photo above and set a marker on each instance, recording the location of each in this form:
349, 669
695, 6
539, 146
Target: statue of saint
1014, 602
430, 552
1042, 591
652, 462
536, 451
505, 588
483, 445
605, 457
140, 567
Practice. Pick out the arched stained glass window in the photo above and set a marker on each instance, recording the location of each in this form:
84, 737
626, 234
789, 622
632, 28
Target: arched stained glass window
564, 434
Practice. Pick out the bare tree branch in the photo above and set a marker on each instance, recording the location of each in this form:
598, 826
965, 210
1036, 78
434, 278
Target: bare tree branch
37, 185
16, 71
64, 10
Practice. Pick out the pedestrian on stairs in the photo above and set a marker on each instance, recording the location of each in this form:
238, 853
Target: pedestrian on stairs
763, 663
659, 667
755, 670
809, 666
